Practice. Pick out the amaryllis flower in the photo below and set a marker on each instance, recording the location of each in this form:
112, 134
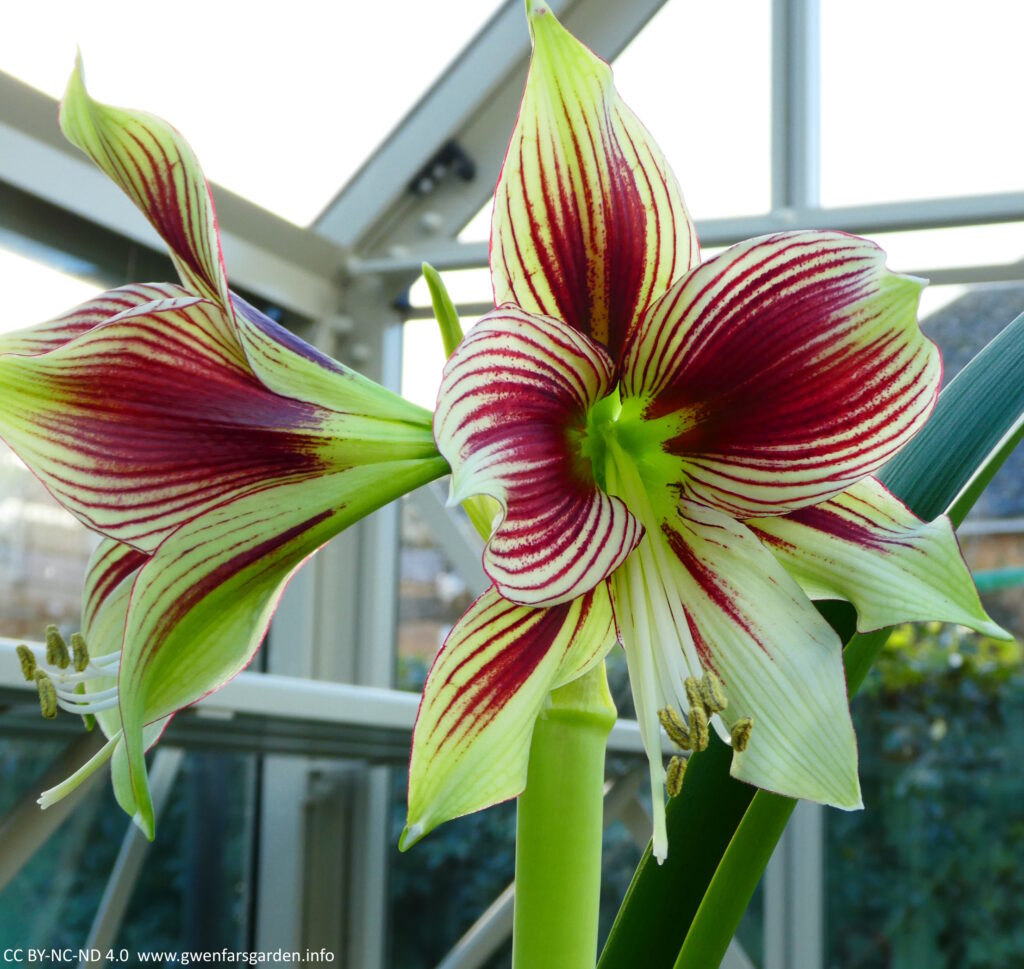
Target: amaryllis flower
683, 454
213, 449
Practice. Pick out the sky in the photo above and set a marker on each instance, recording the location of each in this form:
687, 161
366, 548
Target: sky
917, 100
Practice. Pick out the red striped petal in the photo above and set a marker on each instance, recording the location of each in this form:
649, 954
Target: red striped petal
201, 605
483, 694
704, 594
589, 224
513, 400
159, 172
866, 546
784, 370
54, 333
110, 565
146, 421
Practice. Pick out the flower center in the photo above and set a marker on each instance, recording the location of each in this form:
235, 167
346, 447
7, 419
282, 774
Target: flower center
616, 431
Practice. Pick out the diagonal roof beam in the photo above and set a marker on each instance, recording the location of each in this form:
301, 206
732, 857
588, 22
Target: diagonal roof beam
474, 104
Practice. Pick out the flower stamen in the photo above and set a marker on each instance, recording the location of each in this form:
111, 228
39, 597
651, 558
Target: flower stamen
47, 694
60, 687
699, 728
674, 776
56, 649
28, 662
711, 693
740, 733
676, 729
80, 652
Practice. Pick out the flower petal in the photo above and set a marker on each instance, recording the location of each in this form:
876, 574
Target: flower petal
588, 221
158, 171
702, 593
780, 663
110, 565
154, 416
109, 578
471, 744
783, 371
54, 333
513, 400
866, 546
291, 367
200, 606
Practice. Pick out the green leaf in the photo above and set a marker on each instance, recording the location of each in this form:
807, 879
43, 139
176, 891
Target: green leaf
721, 832
444, 310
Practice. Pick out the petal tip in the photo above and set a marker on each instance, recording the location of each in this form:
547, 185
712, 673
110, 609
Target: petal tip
144, 821
411, 834
994, 631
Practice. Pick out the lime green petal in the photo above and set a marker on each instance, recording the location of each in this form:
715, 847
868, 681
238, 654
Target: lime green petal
109, 578
201, 605
485, 690
866, 546
159, 172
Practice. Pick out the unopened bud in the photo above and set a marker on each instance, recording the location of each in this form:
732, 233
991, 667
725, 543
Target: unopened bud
741, 731
674, 776
79, 652
711, 693
47, 695
56, 649
675, 728
28, 662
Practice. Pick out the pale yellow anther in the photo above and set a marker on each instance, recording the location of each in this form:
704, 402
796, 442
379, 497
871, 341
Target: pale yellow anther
56, 649
79, 652
711, 693
693, 693
676, 729
741, 730
47, 695
674, 774
28, 662
699, 727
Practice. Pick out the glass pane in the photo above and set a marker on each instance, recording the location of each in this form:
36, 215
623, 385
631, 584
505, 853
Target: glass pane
974, 245
192, 891
699, 77
34, 292
915, 100
431, 597
423, 361
280, 111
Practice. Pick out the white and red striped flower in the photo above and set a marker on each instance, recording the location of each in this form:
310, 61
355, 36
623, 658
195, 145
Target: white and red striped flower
213, 450
683, 455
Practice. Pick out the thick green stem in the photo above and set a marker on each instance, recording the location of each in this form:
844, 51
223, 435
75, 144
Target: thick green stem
559, 827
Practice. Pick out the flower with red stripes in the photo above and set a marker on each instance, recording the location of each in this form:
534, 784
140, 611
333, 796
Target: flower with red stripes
682, 453
213, 450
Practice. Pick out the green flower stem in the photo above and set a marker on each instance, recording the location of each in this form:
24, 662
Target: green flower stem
559, 828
